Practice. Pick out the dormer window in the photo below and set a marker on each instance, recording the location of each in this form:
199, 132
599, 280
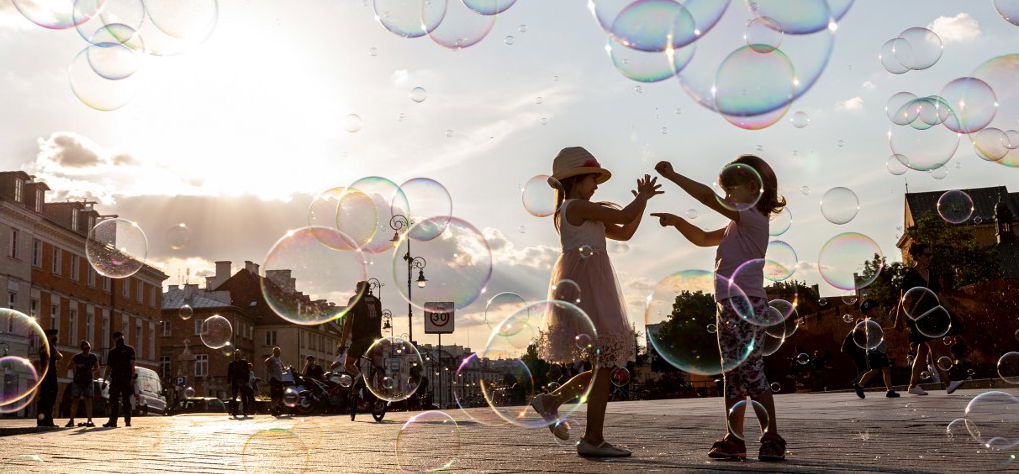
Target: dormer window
38, 200
18, 189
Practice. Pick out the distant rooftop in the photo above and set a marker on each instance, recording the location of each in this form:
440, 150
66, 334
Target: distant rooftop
984, 200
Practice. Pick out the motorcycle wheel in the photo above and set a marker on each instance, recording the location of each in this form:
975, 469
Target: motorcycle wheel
306, 406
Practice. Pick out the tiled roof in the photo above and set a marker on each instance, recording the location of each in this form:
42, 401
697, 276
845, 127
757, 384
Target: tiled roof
984, 200
174, 299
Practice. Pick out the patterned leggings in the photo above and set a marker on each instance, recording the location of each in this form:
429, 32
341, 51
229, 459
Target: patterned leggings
736, 339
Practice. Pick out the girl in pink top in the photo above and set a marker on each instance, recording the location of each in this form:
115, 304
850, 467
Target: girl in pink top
747, 203
583, 227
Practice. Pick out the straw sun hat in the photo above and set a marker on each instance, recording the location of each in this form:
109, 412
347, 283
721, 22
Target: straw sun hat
575, 161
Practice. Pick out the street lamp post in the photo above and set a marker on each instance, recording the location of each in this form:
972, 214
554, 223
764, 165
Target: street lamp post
387, 321
400, 222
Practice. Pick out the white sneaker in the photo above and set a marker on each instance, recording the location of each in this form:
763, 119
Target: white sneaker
917, 390
952, 386
559, 429
603, 450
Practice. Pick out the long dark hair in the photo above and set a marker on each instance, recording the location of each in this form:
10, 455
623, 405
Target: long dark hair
770, 202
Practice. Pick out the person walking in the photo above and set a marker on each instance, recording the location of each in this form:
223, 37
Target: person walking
238, 376
583, 224
85, 367
120, 376
250, 390
871, 362
49, 387
274, 369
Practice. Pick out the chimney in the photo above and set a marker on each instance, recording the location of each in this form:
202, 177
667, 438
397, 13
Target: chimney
251, 267
222, 274
189, 291
282, 279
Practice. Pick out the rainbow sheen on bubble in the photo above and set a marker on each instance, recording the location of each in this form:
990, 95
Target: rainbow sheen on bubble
311, 275
973, 102
350, 211
538, 197
1008, 9
896, 110
428, 442
123, 18
19, 383
461, 27
796, 17
999, 73
275, 450
844, 256
116, 247
491, 7
390, 202
677, 334
96, 90
749, 83
654, 25
780, 223
563, 335
459, 264
763, 34
734, 176
56, 14
925, 145
780, 261
645, 66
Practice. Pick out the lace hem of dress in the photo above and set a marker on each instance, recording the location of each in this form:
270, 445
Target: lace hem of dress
612, 351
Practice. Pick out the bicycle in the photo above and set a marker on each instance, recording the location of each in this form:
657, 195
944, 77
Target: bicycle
358, 387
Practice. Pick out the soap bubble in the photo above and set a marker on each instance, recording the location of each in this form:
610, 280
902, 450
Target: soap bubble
780, 261
620, 376
973, 102
275, 450
802, 358
99, 92
216, 331
896, 164
290, 397
993, 419
348, 210
775, 387
887, 56
459, 264
1008, 367
805, 190
502, 305
677, 333
919, 49
712, 328
409, 18
645, 66
782, 320
566, 290
189, 392
116, 248
896, 108
736, 416
398, 369
345, 380
391, 207
461, 27
1008, 9
510, 394
839, 205
917, 301
492, 7
418, 94
955, 206
538, 197
20, 382
57, 15
945, 363
352, 123
749, 83
842, 260
654, 25
186, 312
771, 344
428, 442
999, 73
691, 213
178, 236
780, 223
800, 119
734, 176
764, 35
847, 318
868, 334
427, 200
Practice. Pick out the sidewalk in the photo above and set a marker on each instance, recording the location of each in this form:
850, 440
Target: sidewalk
826, 432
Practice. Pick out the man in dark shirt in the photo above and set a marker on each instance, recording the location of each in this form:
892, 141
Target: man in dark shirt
120, 375
85, 366
362, 325
239, 377
49, 386
312, 370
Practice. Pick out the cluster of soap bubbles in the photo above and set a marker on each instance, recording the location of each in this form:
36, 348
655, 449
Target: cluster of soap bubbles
991, 419
120, 36
748, 65
453, 24
914, 49
925, 312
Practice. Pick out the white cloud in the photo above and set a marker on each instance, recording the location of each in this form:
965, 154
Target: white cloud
852, 104
184, 270
958, 28
868, 86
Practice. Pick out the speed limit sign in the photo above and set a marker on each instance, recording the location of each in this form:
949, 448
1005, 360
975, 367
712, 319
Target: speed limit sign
439, 317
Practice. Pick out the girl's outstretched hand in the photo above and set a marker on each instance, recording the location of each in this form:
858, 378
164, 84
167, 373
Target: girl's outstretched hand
665, 219
647, 188
664, 168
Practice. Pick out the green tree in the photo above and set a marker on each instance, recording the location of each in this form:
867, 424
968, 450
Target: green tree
692, 312
957, 255
793, 291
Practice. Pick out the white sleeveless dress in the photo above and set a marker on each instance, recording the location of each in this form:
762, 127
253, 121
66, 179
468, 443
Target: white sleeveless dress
585, 262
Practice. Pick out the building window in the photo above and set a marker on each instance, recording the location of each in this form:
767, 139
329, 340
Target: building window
12, 298
152, 339
38, 200
91, 277
106, 329
88, 327
56, 260
198, 327
74, 220
18, 190
270, 338
138, 339
167, 328
140, 292
251, 333
126, 288
13, 252
201, 365
54, 316
152, 296
74, 325
107, 284
33, 308
75, 267
36, 253
164, 366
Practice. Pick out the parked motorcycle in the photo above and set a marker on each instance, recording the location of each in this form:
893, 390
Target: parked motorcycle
321, 396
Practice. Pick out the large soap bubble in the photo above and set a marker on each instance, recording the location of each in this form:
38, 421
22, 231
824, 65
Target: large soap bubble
973, 102
396, 369
453, 267
461, 27
780, 261
654, 25
795, 17
311, 275
390, 203
216, 332
57, 14
348, 210
839, 205
428, 442
843, 260
116, 248
681, 306
1008, 9
26, 343
999, 73
409, 18
920, 48
867, 334
992, 419
645, 66
955, 206
1008, 367
428, 200
538, 197
110, 84
571, 342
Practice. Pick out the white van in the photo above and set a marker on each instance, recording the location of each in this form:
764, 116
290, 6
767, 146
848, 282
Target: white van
148, 396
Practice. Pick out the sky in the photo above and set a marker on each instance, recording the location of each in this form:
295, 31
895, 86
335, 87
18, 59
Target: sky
236, 135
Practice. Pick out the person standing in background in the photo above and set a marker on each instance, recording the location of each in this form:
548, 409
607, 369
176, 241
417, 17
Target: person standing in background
49, 387
85, 365
120, 376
